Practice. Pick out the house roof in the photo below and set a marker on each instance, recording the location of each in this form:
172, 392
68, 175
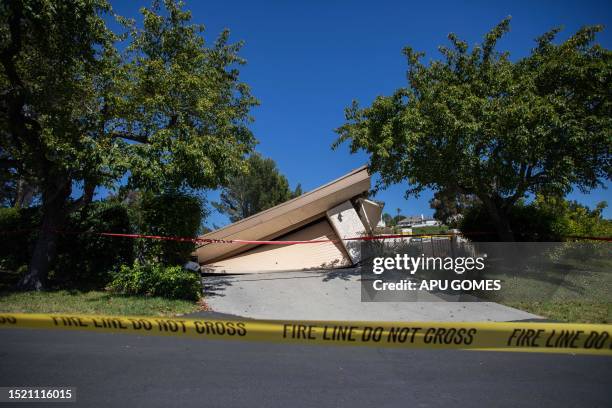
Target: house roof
284, 218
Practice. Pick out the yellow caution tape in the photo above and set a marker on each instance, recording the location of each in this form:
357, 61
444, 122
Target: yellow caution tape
529, 337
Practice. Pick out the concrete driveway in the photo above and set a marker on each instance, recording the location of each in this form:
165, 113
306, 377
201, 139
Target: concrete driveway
334, 295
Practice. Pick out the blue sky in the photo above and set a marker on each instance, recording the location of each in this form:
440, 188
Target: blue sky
308, 60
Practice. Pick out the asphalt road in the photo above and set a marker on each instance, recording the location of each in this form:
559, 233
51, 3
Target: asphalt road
128, 370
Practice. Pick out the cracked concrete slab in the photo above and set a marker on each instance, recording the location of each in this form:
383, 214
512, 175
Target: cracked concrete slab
335, 295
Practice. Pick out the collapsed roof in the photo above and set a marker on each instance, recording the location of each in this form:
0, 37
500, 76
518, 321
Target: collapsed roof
335, 210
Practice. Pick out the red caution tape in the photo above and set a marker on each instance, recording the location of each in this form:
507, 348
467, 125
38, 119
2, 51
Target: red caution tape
255, 242
198, 240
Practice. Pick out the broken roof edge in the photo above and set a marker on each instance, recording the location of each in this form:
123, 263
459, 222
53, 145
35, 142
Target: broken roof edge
287, 203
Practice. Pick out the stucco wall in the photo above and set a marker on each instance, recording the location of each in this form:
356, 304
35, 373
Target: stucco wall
267, 258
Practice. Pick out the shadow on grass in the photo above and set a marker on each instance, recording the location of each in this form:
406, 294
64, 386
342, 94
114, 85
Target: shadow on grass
76, 292
84, 293
9, 279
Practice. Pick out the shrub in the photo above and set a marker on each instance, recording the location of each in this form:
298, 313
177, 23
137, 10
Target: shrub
83, 259
169, 214
575, 219
17, 234
544, 219
174, 282
171, 282
88, 259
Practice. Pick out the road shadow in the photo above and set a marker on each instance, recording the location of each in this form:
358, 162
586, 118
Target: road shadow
343, 274
214, 286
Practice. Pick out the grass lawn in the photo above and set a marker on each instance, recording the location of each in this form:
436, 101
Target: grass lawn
581, 293
93, 302
583, 297
568, 311
88, 301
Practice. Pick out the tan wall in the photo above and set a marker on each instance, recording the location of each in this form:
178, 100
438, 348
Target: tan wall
266, 258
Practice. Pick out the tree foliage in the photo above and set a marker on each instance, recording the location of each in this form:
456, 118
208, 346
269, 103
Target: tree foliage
449, 206
167, 112
478, 123
260, 188
544, 219
573, 219
16, 226
169, 214
85, 260
389, 220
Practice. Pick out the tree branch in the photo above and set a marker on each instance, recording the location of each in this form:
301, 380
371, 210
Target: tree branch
88, 192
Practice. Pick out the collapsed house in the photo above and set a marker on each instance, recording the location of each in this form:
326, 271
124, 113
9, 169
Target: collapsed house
331, 212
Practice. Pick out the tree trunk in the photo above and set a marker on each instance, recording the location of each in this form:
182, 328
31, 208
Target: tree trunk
500, 219
54, 202
24, 194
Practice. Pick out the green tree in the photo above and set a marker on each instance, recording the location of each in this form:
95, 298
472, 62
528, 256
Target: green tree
398, 218
389, 220
260, 188
480, 124
167, 112
171, 213
574, 219
547, 219
449, 206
